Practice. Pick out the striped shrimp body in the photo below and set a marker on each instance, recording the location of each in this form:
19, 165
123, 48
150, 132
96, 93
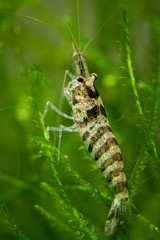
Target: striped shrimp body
94, 129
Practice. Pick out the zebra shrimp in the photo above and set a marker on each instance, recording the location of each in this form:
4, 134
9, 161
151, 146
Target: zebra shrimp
91, 122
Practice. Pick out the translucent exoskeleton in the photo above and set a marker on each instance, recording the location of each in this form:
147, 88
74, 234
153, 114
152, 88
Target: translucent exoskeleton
91, 122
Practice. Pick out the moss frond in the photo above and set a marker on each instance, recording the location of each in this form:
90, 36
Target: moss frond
15, 230
148, 146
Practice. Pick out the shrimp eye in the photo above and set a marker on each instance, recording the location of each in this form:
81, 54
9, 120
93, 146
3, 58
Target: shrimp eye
94, 75
80, 79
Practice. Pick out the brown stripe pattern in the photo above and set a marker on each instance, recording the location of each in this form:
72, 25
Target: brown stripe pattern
93, 126
94, 129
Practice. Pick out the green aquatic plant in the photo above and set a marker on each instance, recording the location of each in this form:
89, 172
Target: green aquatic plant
43, 198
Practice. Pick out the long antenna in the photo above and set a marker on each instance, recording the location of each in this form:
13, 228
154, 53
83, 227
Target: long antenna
79, 29
37, 20
50, 26
73, 38
60, 14
29, 17
100, 28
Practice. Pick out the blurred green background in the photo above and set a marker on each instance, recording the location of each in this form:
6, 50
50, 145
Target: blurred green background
32, 49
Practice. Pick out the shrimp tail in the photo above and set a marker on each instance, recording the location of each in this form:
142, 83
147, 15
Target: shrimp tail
118, 214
